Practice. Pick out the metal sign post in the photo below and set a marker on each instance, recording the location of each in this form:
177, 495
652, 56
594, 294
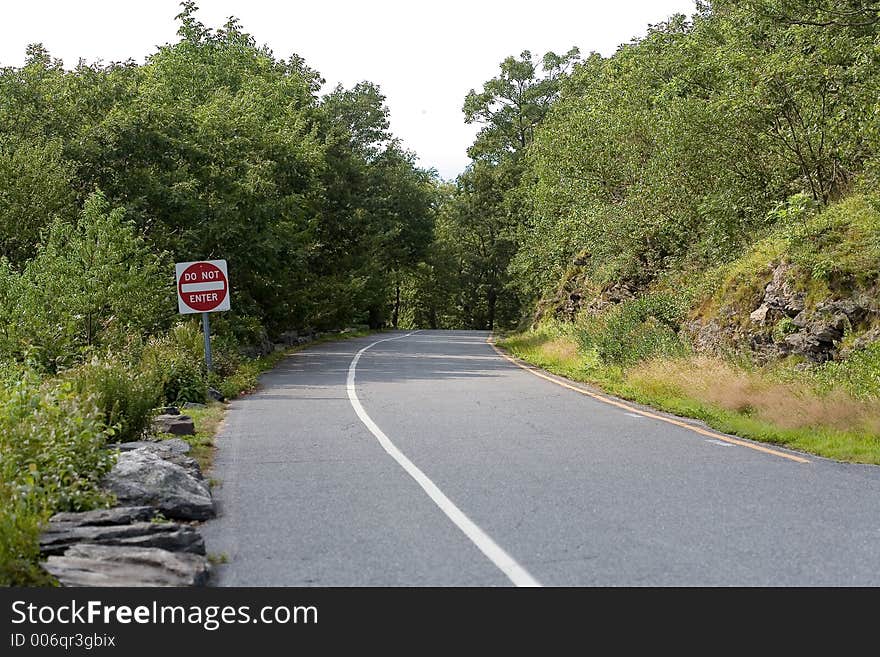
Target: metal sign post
206, 329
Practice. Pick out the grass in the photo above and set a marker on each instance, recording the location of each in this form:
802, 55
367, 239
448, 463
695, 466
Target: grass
751, 403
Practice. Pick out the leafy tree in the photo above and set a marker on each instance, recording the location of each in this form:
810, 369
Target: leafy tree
93, 283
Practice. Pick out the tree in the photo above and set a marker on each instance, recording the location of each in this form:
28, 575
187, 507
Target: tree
511, 105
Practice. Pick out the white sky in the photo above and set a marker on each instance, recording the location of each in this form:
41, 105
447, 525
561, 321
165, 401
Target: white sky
425, 56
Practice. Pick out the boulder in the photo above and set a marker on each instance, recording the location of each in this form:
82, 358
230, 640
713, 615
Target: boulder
759, 316
141, 477
115, 565
166, 535
179, 425
173, 450
216, 395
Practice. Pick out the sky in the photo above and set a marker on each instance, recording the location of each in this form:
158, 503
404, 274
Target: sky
425, 56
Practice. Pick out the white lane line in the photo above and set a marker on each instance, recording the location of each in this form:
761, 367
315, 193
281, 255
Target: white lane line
494, 552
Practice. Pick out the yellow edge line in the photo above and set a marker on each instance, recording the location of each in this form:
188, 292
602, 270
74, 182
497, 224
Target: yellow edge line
653, 416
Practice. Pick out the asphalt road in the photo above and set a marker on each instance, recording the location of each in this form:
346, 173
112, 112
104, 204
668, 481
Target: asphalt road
445, 464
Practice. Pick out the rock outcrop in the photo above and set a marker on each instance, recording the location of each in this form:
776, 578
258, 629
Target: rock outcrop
782, 323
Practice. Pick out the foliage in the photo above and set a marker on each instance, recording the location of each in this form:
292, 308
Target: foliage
174, 361
125, 396
635, 330
91, 284
51, 459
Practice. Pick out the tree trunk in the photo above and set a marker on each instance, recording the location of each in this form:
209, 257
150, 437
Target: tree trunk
395, 316
492, 298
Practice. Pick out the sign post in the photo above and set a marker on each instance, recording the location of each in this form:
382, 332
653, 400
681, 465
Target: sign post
203, 287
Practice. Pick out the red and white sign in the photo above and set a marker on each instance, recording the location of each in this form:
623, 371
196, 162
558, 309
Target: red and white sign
202, 287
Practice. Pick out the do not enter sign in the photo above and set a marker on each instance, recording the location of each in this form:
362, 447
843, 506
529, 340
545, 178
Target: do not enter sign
202, 287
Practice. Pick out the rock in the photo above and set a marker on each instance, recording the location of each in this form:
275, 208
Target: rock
114, 565
169, 446
189, 464
193, 405
862, 342
166, 535
179, 425
830, 331
134, 444
779, 295
216, 395
759, 316
169, 410
289, 338
172, 449
142, 477
118, 515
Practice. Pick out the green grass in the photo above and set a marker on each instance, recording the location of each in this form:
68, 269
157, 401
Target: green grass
726, 408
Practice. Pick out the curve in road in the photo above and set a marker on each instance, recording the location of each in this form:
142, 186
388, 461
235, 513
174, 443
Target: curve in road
573, 490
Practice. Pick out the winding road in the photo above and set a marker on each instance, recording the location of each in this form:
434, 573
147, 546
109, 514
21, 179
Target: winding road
429, 459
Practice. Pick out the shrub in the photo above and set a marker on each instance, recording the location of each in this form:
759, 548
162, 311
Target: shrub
174, 362
91, 285
636, 330
859, 373
125, 397
51, 459
52, 439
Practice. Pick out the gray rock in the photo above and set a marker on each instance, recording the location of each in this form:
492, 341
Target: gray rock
134, 444
169, 446
172, 449
189, 464
141, 477
759, 316
118, 515
114, 565
216, 395
166, 535
779, 294
830, 331
179, 425
193, 405
169, 410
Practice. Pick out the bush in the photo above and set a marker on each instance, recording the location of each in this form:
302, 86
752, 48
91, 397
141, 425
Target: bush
90, 286
859, 373
636, 330
51, 459
174, 363
20, 527
125, 397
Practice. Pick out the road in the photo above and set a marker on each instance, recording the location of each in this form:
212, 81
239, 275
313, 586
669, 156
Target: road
433, 461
